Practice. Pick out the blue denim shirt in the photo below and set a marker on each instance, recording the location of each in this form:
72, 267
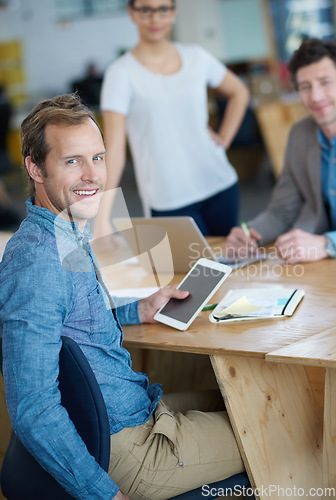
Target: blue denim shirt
328, 180
49, 288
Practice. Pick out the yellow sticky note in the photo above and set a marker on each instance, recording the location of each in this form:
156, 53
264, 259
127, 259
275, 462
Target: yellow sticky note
242, 307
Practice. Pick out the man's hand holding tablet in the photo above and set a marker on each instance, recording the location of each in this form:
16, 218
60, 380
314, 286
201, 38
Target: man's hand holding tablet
202, 281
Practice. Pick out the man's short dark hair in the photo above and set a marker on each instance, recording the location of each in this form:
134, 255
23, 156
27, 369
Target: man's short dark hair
310, 51
63, 110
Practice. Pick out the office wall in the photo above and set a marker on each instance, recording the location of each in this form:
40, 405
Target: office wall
54, 54
233, 30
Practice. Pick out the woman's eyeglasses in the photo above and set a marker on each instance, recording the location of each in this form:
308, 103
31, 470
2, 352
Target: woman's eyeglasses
147, 12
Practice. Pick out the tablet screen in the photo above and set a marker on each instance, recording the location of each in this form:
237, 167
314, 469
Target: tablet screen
200, 283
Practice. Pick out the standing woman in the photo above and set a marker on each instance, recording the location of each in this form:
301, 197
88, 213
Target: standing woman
156, 94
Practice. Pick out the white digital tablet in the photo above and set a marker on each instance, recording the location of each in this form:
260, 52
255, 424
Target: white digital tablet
202, 281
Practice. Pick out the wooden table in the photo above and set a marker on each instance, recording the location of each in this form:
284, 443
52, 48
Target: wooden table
276, 409
318, 350
275, 402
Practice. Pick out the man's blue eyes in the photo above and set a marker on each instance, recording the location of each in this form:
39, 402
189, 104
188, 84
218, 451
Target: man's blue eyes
73, 161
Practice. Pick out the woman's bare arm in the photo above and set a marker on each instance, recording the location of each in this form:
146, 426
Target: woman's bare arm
238, 95
114, 126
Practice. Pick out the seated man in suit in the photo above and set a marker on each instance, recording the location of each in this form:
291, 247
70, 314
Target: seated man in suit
309, 174
51, 285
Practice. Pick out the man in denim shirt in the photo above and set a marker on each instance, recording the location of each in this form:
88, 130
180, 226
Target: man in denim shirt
51, 286
309, 174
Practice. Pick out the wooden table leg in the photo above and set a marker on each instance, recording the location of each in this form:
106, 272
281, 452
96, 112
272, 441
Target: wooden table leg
277, 423
329, 433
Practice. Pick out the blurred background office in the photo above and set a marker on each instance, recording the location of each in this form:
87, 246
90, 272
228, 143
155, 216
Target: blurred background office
48, 47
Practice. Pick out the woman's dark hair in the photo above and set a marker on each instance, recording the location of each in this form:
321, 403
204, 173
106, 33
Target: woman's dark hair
310, 51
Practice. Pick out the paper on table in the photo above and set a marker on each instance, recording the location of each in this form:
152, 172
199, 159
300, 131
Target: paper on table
241, 306
252, 303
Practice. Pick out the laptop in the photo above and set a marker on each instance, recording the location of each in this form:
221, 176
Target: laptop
170, 241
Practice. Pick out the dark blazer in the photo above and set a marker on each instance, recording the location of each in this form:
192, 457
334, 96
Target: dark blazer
299, 183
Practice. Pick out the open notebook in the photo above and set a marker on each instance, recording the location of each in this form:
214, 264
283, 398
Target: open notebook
256, 303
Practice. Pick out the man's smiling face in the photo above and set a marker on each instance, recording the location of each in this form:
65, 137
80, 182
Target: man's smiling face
75, 172
317, 86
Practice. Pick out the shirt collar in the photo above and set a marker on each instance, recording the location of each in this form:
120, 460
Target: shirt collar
52, 220
324, 141
72, 244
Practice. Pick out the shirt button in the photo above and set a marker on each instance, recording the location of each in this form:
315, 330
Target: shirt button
333, 192
181, 464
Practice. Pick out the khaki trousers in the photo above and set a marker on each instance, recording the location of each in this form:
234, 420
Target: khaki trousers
184, 445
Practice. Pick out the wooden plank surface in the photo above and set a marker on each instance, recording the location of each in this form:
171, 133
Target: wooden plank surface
254, 338
316, 377
276, 420
251, 338
329, 431
176, 371
318, 350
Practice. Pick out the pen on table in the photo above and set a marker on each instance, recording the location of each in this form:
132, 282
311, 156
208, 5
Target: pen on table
245, 229
209, 307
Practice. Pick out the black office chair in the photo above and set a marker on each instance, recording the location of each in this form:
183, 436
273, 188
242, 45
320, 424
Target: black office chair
238, 481
81, 396
22, 477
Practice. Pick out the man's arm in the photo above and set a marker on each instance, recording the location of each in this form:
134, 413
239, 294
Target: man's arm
132, 311
34, 304
296, 184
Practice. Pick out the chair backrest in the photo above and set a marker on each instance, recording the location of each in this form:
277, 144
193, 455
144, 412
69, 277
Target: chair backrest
0, 355
229, 485
21, 475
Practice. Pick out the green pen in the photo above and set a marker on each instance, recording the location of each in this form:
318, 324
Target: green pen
209, 307
245, 228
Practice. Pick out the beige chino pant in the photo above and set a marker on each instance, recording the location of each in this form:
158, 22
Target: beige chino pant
184, 445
